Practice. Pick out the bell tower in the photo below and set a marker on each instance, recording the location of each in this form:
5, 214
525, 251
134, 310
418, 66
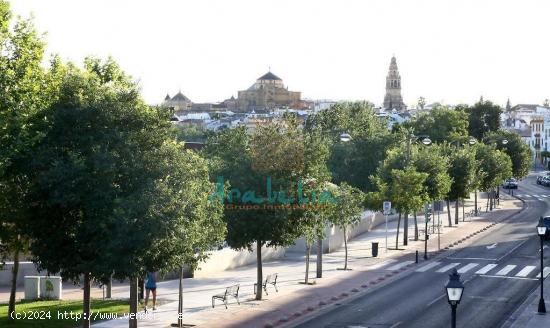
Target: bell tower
393, 99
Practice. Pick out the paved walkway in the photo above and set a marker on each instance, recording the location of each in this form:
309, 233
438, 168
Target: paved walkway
294, 300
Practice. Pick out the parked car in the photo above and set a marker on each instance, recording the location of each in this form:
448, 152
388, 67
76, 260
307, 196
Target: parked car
510, 184
546, 221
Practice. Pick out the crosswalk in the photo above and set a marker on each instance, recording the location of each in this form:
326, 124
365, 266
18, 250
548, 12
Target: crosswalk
509, 270
533, 196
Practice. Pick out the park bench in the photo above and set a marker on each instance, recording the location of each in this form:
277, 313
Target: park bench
271, 279
231, 291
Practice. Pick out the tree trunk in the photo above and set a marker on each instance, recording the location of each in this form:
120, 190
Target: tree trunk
319, 258
308, 248
132, 316
415, 227
463, 216
86, 303
475, 203
456, 212
406, 229
14, 272
449, 213
259, 277
109, 289
487, 204
346, 250
397, 234
491, 202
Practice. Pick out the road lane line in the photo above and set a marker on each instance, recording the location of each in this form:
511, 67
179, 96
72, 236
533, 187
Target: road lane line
400, 265
545, 272
513, 249
505, 270
486, 269
467, 267
525, 271
428, 266
448, 267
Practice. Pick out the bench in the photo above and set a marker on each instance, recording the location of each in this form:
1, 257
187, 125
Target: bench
271, 279
231, 291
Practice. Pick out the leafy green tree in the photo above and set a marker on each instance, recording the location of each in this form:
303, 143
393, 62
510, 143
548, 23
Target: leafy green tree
347, 212
111, 193
483, 117
26, 88
271, 158
405, 188
353, 162
462, 172
441, 124
190, 133
432, 161
496, 167
519, 152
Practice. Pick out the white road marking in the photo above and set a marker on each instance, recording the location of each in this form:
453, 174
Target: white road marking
428, 266
467, 267
545, 272
400, 265
492, 246
448, 267
525, 271
504, 271
486, 269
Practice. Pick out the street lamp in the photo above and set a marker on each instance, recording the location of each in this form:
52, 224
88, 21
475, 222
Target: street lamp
541, 230
454, 290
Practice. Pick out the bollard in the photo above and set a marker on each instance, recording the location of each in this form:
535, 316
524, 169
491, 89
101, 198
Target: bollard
417, 256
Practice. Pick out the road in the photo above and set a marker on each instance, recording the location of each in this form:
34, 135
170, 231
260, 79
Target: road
499, 271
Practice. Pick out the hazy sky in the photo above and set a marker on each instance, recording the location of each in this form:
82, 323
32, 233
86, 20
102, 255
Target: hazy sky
450, 51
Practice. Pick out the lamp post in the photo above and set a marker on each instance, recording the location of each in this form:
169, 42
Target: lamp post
454, 289
425, 139
541, 230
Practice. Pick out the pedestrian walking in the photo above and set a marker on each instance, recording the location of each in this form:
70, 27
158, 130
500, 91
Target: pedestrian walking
151, 287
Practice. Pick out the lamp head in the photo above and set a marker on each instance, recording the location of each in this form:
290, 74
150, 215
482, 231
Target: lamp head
454, 288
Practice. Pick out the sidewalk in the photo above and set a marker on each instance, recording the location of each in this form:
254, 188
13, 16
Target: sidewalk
294, 301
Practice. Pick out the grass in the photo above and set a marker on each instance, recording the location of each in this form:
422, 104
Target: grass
50, 314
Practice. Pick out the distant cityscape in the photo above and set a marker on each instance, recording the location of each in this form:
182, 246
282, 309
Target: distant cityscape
267, 99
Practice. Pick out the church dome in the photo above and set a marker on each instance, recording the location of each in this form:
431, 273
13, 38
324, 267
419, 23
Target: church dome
270, 77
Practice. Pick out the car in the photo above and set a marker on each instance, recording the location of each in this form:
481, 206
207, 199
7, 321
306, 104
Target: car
546, 221
545, 181
510, 184
541, 177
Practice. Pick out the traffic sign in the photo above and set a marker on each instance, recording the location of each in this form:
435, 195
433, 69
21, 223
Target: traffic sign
387, 207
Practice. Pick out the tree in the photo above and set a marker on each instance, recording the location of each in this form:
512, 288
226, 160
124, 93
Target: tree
441, 124
421, 102
347, 212
483, 117
495, 165
111, 193
405, 199
353, 162
26, 88
461, 170
519, 152
432, 161
271, 158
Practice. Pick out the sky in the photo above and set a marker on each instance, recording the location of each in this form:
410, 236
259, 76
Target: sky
447, 51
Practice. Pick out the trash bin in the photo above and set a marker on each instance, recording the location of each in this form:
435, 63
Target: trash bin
32, 287
374, 249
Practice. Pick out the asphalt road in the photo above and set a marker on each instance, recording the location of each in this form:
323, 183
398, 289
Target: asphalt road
499, 271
